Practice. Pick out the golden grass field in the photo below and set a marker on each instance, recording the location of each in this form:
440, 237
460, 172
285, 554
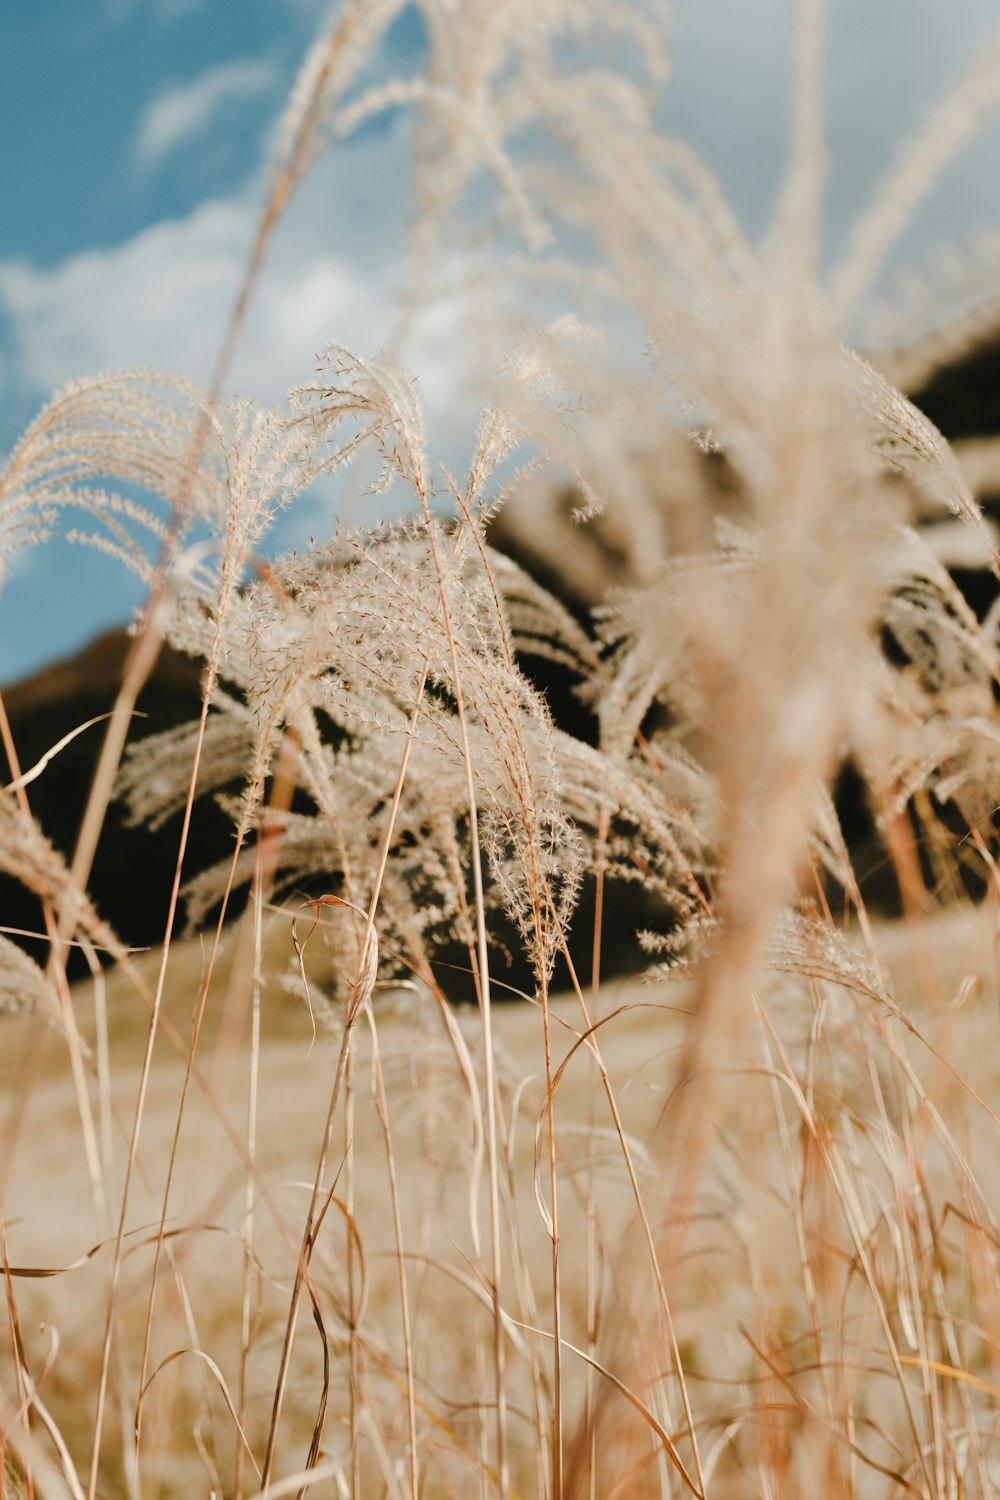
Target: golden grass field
269, 1226
740, 1278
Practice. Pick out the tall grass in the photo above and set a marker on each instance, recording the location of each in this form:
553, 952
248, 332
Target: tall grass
275, 1216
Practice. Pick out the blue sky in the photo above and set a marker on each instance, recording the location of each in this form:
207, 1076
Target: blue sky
136, 136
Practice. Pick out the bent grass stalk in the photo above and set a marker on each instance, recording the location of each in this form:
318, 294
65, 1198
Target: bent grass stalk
382, 1110
485, 1005
266, 862
589, 1039
139, 664
360, 999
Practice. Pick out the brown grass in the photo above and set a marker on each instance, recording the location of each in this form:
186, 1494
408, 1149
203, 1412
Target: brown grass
801, 1197
267, 1224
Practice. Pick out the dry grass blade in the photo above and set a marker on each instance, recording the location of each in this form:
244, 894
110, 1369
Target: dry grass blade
220, 1380
42, 1273
27, 777
360, 996
638, 1405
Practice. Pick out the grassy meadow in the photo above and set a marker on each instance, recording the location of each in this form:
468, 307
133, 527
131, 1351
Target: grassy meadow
572, 1072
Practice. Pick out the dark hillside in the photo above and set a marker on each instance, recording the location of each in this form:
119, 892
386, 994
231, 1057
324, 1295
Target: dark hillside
133, 870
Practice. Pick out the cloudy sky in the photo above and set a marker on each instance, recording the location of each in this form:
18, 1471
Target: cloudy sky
136, 136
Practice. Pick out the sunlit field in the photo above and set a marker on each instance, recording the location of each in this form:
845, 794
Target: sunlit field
501, 1001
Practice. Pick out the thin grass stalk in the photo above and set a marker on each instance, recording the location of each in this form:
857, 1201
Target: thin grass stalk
635, 1401
41, 1477
961, 111
102, 1066
797, 1188
229, 1130
190, 1052
482, 1318
556, 1438
354, 1398
268, 854
950, 1332
485, 1003
22, 1375
360, 998
429, 1162
524, 1292
139, 664
556, 1417
10, 1135
933, 1256
139, 1106
27, 1075
347, 1174
589, 1039
592, 1289
854, 1218
799, 216
266, 862
72, 1484
382, 1110
142, 656
67, 1014
522, 1283
102, 1073
304, 1256
249, 1275
908, 1254
181, 1051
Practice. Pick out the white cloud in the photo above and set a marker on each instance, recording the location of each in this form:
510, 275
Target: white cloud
181, 114
159, 299
162, 299
170, 10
